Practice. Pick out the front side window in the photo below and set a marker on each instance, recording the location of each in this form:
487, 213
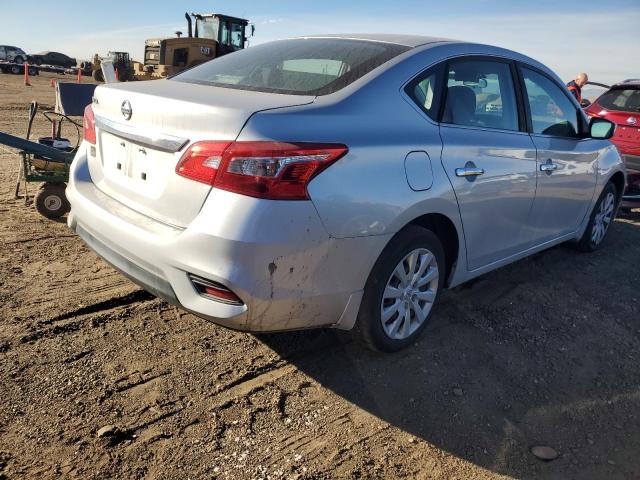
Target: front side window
312, 66
237, 35
622, 100
552, 113
207, 28
481, 93
225, 36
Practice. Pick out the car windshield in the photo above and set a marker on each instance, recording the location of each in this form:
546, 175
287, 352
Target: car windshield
317, 66
623, 99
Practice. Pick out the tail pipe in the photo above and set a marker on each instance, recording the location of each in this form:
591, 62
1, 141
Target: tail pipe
189, 29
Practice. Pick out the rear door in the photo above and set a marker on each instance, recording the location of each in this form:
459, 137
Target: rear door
566, 160
489, 160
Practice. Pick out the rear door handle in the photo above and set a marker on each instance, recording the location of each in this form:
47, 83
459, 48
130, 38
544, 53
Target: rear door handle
548, 167
469, 172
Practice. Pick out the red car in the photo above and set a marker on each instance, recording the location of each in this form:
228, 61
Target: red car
621, 105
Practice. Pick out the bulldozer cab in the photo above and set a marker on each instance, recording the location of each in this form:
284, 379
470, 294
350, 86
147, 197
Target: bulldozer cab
229, 32
119, 58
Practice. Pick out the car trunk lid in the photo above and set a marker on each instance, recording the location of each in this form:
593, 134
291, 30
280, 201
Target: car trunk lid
142, 129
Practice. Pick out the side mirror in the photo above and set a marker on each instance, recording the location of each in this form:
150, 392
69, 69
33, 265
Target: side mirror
253, 30
601, 128
585, 103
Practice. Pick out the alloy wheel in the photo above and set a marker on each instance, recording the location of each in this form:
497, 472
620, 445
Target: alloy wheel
409, 294
603, 218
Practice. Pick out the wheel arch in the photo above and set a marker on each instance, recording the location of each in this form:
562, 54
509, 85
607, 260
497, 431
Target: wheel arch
618, 181
444, 228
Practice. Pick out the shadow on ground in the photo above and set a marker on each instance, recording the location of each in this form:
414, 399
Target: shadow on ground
543, 352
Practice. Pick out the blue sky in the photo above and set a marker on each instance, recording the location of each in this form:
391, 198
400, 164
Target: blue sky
600, 37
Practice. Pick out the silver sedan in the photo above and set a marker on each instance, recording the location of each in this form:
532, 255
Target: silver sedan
339, 181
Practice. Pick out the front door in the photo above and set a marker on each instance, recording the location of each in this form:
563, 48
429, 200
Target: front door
490, 162
566, 160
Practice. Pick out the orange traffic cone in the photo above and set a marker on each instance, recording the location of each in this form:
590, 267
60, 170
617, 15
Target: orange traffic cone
53, 83
26, 74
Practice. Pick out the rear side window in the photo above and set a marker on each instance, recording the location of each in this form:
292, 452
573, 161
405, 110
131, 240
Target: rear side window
425, 91
552, 113
481, 93
313, 66
623, 100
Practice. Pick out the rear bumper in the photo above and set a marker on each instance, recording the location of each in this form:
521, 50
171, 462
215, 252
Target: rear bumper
276, 256
631, 197
632, 162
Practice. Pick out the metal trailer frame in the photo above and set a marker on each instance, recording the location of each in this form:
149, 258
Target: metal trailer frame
50, 200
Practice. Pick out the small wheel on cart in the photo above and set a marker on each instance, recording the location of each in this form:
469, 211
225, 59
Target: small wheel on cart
51, 200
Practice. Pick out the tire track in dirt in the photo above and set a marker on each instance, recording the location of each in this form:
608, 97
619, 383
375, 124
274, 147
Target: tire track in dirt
117, 302
98, 314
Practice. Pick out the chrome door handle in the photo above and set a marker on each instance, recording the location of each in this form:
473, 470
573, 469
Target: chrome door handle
548, 167
469, 172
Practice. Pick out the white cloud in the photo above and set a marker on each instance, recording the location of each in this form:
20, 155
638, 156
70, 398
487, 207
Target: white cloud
271, 21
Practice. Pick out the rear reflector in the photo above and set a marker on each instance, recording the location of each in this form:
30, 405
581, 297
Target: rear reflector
214, 291
89, 125
272, 170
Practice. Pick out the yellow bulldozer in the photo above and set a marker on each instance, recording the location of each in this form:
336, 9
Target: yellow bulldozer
208, 36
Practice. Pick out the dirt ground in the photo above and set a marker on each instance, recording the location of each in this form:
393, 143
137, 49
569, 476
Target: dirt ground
543, 352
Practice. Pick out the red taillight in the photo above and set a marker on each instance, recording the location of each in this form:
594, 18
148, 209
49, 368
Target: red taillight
201, 161
89, 125
272, 170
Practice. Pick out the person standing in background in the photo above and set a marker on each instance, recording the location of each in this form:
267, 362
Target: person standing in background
575, 86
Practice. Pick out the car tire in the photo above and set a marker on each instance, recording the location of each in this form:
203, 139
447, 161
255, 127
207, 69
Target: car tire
16, 69
98, 76
602, 216
394, 311
51, 200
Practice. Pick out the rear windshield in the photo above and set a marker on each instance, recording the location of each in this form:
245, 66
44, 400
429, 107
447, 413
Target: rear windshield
312, 66
624, 100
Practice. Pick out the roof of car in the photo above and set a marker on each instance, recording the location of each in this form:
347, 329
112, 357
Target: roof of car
630, 82
406, 40
48, 52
